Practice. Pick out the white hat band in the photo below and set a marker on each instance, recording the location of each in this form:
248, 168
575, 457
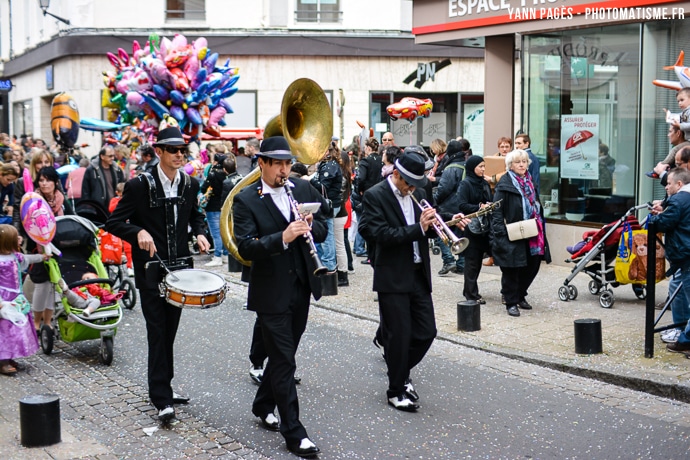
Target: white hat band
408, 173
276, 152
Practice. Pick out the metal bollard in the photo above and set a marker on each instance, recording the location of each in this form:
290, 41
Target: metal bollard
39, 419
234, 266
329, 284
588, 336
469, 316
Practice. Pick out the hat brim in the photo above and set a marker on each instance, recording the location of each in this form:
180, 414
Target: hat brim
418, 183
276, 155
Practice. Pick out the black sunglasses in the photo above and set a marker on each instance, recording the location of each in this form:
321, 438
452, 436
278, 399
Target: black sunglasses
174, 150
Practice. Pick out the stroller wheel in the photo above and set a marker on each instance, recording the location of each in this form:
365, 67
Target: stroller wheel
47, 339
106, 352
563, 293
594, 287
130, 297
572, 292
640, 291
606, 299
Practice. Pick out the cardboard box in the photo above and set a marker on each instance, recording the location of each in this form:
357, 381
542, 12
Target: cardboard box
494, 165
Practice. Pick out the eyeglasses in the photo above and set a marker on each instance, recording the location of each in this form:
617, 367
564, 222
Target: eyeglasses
387, 139
176, 150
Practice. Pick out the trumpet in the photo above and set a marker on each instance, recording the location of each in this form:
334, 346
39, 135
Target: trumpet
320, 267
457, 245
485, 210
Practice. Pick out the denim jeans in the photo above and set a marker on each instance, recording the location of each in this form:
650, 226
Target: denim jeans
448, 257
680, 309
685, 279
326, 250
359, 247
213, 219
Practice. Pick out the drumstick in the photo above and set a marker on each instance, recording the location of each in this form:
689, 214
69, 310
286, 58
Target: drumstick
166, 268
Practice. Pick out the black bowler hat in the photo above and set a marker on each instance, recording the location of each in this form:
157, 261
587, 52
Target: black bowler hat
275, 147
170, 136
411, 168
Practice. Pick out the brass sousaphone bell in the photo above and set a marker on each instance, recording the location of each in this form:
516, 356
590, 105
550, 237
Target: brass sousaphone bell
306, 122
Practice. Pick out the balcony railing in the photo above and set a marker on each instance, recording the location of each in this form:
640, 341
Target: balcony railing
319, 16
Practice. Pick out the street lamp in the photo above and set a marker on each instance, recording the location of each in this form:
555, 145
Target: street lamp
45, 4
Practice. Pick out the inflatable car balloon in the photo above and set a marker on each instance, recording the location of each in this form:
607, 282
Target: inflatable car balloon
64, 120
177, 57
179, 79
409, 108
37, 218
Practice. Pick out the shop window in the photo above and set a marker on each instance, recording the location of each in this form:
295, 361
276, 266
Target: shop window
185, 10
23, 118
581, 110
318, 11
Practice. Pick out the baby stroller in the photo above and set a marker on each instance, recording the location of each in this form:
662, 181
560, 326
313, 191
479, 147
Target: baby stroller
596, 259
75, 237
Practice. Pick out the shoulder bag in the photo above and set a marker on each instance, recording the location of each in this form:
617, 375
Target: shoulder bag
522, 230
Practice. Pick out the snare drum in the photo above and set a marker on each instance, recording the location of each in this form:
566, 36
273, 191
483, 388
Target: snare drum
193, 288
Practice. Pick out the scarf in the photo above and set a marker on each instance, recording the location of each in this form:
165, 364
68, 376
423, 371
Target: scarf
56, 203
530, 209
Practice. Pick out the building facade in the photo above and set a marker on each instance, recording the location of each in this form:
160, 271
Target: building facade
361, 53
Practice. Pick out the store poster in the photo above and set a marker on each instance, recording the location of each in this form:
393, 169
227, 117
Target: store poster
473, 127
434, 128
580, 147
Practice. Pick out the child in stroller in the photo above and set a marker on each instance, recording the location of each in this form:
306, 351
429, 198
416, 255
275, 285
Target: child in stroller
88, 297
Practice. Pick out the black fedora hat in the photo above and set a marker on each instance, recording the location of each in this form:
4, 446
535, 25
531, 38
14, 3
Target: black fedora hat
411, 168
275, 147
169, 136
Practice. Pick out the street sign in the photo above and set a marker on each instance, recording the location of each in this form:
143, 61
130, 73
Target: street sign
5, 85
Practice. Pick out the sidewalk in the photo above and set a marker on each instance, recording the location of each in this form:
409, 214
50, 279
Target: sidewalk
544, 335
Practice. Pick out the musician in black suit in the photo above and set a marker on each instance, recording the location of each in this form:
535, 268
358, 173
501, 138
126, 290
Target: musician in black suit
152, 216
402, 273
281, 281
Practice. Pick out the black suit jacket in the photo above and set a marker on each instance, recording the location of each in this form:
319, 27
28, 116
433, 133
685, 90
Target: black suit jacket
258, 226
385, 223
134, 213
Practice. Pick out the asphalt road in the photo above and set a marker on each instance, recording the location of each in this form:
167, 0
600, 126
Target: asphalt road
474, 404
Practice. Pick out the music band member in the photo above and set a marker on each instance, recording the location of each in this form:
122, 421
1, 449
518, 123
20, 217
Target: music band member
281, 281
402, 272
152, 216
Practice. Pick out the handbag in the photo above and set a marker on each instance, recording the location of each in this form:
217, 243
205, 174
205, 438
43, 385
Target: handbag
20, 302
479, 225
522, 229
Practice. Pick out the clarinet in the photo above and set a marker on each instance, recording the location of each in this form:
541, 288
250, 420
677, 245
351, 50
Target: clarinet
320, 268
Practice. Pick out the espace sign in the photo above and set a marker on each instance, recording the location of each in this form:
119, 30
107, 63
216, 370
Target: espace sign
472, 18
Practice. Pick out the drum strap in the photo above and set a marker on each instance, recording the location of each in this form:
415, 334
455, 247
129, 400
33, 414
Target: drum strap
156, 201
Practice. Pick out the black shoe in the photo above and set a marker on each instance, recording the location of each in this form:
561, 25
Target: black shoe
305, 448
410, 392
513, 310
270, 422
166, 414
677, 347
447, 268
366, 262
256, 374
459, 270
481, 301
524, 305
342, 279
179, 399
403, 403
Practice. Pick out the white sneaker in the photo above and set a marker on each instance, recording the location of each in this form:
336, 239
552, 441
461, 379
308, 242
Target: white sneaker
670, 335
63, 285
215, 262
224, 259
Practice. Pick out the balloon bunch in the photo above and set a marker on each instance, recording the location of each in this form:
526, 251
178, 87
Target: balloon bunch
166, 80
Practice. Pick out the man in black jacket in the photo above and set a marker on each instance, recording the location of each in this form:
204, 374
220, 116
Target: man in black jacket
153, 216
368, 175
101, 177
281, 281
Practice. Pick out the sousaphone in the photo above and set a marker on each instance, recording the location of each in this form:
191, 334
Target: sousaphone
306, 122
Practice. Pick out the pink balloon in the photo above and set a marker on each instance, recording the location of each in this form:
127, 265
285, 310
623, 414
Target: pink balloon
37, 218
28, 183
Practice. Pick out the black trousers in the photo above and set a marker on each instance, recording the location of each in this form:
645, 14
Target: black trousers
257, 351
281, 336
516, 280
162, 320
474, 255
408, 326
